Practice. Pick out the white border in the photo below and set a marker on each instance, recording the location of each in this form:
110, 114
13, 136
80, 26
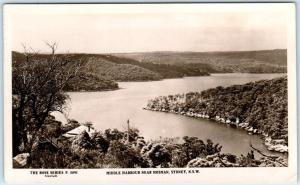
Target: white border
206, 175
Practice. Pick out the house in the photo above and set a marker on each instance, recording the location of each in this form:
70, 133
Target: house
79, 130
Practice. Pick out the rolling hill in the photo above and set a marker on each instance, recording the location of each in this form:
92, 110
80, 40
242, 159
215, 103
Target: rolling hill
102, 70
263, 61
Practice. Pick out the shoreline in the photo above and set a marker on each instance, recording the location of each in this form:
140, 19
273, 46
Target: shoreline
126, 81
271, 144
83, 91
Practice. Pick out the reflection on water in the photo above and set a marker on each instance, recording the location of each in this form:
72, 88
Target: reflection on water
111, 109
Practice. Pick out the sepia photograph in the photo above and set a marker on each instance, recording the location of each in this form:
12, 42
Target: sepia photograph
150, 86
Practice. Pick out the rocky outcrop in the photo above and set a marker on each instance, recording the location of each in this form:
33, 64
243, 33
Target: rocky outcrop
277, 145
21, 160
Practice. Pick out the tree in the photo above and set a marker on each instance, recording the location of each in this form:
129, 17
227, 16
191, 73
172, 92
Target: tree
121, 155
37, 86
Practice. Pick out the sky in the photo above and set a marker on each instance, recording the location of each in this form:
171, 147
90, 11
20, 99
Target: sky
144, 28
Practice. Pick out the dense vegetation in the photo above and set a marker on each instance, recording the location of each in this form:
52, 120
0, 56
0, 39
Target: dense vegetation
120, 72
165, 70
90, 82
39, 88
83, 81
115, 68
262, 104
264, 61
116, 149
103, 69
256, 106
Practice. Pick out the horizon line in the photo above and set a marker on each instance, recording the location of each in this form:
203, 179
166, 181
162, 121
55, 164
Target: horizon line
159, 51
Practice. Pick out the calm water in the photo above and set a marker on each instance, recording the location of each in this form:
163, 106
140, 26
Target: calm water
112, 109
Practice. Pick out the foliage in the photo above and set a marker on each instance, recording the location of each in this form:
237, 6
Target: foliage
90, 82
121, 155
156, 154
111, 149
37, 90
102, 70
262, 105
85, 79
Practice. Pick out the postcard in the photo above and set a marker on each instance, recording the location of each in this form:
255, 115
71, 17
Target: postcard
150, 93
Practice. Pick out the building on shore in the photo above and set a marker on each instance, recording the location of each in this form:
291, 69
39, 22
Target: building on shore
77, 131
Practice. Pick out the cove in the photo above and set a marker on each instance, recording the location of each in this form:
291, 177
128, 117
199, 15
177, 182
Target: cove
112, 109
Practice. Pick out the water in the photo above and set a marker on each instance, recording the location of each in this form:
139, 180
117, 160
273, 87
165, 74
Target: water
112, 109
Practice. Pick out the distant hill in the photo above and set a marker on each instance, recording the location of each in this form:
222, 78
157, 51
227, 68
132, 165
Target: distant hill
120, 72
263, 61
103, 69
127, 69
90, 82
84, 81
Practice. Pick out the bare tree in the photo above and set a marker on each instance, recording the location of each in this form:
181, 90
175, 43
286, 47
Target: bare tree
38, 82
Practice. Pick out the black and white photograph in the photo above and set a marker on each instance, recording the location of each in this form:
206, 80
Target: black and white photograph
150, 86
